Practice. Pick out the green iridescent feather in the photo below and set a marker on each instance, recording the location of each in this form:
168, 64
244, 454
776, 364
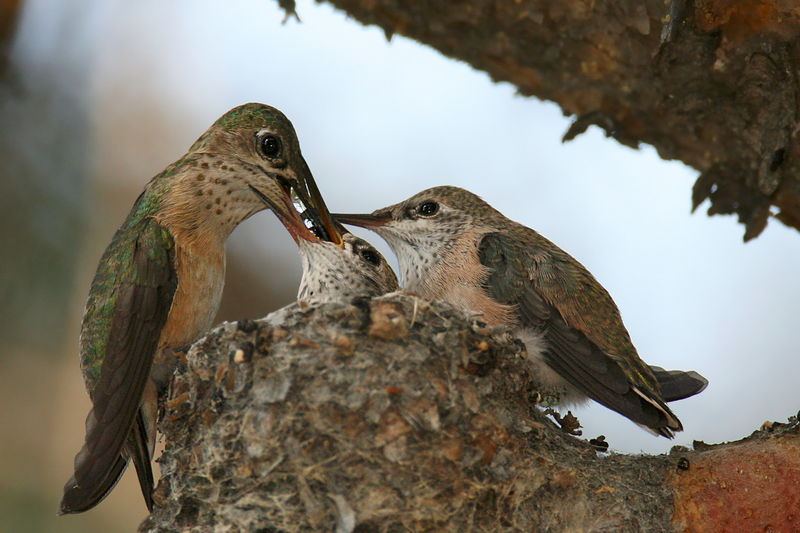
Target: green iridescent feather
117, 266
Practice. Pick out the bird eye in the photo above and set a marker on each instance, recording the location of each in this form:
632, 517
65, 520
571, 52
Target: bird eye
370, 256
428, 209
270, 146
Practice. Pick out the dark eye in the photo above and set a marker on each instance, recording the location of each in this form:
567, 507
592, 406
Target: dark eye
428, 209
270, 146
370, 256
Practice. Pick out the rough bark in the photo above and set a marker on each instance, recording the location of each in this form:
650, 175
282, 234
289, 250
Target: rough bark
394, 414
713, 83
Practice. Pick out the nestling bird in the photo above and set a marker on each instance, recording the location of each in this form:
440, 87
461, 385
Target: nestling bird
338, 266
453, 246
159, 283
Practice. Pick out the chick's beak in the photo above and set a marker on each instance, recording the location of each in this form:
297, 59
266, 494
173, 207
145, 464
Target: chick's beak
363, 220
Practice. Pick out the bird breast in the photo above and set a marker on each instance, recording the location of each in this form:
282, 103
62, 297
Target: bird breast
458, 277
200, 268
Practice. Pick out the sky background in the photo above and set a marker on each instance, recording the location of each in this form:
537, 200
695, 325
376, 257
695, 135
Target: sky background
379, 121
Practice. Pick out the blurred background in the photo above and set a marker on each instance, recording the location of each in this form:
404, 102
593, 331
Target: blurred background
97, 96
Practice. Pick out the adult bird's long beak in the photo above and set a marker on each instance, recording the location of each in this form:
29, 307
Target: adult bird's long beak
302, 219
362, 220
330, 226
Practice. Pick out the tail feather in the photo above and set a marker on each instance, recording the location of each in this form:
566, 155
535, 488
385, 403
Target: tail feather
78, 499
97, 481
138, 449
678, 384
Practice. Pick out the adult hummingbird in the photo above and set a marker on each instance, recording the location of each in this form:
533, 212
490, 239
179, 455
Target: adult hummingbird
453, 246
159, 283
337, 265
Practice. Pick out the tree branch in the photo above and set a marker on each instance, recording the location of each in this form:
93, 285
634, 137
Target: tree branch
716, 87
395, 414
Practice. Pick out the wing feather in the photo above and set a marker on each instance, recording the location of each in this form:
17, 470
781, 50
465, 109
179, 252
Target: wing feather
140, 266
587, 344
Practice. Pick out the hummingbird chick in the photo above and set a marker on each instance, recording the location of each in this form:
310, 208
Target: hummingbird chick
336, 266
159, 283
453, 246
341, 272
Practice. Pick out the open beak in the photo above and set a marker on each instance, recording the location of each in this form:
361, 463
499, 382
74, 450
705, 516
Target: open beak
333, 229
302, 219
364, 221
